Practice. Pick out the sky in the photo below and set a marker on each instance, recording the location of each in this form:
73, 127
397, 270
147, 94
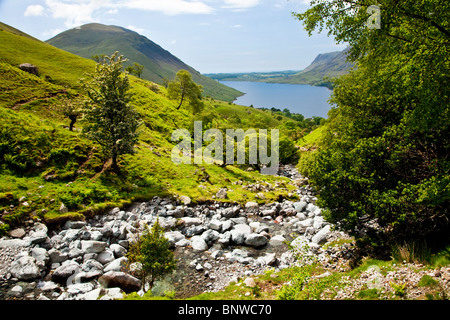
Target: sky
212, 36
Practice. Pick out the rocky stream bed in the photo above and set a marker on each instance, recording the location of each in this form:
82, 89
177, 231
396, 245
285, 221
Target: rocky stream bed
215, 243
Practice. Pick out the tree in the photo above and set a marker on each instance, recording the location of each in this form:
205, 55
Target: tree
183, 88
111, 120
382, 169
151, 253
135, 69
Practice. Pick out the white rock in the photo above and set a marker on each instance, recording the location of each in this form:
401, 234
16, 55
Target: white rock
277, 240
198, 244
255, 240
321, 236
25, 268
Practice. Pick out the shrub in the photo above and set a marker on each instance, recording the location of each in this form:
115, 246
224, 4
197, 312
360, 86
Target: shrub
151, 255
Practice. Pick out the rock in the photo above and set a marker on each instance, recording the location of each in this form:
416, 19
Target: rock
74, 224
186, 200
227, 225
210, 236
116, 265
118, 250
63, 208
112, 294
91, 269
270, 259
215, 224
28, 67
14, 243
321, 236
277, 240
222, 194
25, 268
230, 212
300, 206
57, 256
188, 221
198, 244
250, 282
251, 205
255, 240
68, 269
90, 246
16, 291
105, 257
17, 233
123, 280
239, 232
79, 288
91, 295
174, 237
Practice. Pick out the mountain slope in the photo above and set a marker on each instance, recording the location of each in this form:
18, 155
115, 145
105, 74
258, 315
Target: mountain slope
329, 65
97, 39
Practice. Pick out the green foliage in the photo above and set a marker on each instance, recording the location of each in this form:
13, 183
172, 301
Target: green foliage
111, 121
399, 289
427, 281
152, 253
369, 294
382, 168
184, 89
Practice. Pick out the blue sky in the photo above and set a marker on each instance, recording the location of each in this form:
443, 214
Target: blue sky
210, 35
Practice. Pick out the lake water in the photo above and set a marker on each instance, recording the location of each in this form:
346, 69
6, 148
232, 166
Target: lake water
298, 98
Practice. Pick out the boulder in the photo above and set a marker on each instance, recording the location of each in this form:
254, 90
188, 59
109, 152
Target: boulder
122, 280
186, 200
116, 265
28, 67
321, 236
239, 232
68, 269
188, 221
222, 194
90, 246
17, 233
255, 240
300, 206
198, 244
25, 268
277, 240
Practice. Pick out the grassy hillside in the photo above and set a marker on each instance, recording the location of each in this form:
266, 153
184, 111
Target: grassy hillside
327, 65
97, 39
43, 164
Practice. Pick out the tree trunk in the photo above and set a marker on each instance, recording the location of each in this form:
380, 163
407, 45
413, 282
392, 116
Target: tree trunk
73, 119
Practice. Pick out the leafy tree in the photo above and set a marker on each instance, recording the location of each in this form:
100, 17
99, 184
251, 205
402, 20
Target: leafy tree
111, 120
183, 88
135, 69
382, 169
72, 110
151, 252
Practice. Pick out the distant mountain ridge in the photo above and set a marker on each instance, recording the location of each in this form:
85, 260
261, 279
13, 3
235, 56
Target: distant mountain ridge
332, 64
160, 65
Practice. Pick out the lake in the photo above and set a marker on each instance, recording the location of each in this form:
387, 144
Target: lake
298, 98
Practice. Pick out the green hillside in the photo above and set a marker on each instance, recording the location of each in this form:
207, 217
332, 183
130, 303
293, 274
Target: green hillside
44, 162
327, 65
97, 39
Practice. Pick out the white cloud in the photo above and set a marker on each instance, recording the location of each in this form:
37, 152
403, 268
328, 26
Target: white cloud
77, 12
169, 7
34, 10
135, 29
74, 12
240, 4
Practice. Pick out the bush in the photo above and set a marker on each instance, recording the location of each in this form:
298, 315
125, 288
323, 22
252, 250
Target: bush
152, 255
